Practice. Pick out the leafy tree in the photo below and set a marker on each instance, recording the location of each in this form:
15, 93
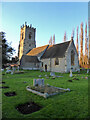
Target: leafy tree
7, 50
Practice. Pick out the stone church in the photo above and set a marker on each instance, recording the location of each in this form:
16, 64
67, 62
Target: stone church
56, 58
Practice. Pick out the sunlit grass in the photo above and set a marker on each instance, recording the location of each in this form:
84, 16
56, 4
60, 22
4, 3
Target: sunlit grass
72, 104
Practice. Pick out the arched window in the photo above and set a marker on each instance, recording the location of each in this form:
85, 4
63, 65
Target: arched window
42, 64
30, 35
56, 61
72, 57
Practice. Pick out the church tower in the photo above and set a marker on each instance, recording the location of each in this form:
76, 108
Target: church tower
27, 40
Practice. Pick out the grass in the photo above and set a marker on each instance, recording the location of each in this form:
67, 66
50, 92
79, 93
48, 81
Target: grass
72, 104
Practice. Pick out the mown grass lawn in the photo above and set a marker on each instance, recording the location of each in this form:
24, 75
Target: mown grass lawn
72, 104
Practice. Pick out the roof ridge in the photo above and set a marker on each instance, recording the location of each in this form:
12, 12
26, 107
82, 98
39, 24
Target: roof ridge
62, 42
41, 46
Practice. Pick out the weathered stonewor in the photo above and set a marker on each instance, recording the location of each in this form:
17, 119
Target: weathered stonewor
38, 82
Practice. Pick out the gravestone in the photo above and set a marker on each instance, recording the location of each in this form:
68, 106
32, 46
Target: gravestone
39, 76
38, 82
13, 69
52, 74
45, 75
18, 68
70, 73
11, 72
2, 69
8, 71
87, 70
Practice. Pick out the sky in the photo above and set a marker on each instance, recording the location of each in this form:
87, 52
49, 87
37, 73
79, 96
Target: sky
48, 18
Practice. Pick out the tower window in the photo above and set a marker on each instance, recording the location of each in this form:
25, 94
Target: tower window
22, 35
72, 57
30, 35
56, 61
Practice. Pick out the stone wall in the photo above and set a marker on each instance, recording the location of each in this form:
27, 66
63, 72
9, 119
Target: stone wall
68, 59
29, 65
51, 65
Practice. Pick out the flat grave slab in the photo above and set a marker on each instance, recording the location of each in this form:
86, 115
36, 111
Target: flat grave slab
46, 90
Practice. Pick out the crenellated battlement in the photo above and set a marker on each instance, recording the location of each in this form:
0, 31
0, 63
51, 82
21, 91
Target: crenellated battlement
27, 26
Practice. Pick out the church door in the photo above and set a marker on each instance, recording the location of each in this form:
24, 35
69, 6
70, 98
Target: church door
46, 68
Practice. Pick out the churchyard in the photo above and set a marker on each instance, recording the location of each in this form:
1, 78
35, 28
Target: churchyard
18, 102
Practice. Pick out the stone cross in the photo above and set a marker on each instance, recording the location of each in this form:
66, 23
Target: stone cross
38, 82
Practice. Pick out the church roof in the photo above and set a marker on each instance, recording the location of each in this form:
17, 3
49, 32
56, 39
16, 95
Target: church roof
37, 51
57, 50
32, 59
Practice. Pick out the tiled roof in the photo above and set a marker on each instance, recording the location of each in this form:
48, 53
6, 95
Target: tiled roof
57, 50
32, 59
37, 51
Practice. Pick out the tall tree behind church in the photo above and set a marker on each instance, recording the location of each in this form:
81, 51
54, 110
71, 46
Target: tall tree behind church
77, 46
81, 44
65, 37
86, 45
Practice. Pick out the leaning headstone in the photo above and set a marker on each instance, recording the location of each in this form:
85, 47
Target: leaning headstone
38, 82
52, 74
70, 73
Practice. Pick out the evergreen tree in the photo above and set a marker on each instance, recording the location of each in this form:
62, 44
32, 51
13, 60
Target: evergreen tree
7, 50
